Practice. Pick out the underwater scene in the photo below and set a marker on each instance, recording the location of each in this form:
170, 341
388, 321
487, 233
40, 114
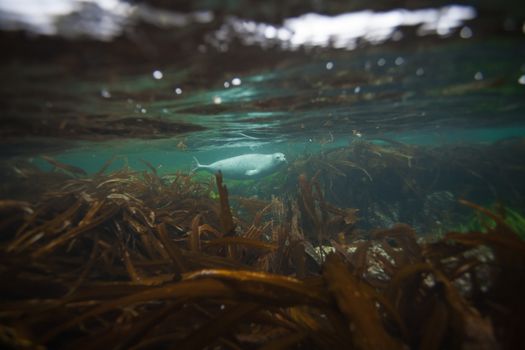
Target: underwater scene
262, 175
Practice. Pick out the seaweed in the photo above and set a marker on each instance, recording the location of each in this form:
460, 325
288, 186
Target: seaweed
391, 182
130, 260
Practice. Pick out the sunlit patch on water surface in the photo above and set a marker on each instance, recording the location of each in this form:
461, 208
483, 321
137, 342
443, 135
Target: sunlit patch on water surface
345, 31
99, 19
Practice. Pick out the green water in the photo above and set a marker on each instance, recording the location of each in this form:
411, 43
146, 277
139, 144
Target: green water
84, 102
297, 102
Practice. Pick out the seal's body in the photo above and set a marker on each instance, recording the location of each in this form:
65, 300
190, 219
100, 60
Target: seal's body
247, 166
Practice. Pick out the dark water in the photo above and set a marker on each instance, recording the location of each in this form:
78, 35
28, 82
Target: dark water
397, 222
213, 85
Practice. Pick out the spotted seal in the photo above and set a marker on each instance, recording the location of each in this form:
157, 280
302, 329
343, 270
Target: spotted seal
246, 166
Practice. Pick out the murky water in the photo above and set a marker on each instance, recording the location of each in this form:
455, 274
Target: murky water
431, 78
295, 175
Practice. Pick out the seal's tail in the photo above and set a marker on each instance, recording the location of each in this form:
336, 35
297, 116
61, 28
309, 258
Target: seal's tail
197, 165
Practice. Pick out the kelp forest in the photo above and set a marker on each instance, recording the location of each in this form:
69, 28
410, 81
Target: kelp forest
339, 250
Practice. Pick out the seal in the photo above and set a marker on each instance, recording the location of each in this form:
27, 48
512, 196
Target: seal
246, 166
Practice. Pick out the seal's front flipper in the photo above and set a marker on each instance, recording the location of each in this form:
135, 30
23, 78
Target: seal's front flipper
251, 172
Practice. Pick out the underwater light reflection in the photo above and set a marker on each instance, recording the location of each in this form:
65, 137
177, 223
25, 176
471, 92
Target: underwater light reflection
98, 19
345, 30
33, 15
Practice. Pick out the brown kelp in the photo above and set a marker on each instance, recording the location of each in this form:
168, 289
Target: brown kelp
417, 184
129, 260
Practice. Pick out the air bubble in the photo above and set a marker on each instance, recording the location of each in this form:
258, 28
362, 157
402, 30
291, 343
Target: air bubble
236, 81
465, 33
478, 76
157, 74
105, 93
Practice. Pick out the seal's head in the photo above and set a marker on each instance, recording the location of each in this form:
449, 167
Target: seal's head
279, 158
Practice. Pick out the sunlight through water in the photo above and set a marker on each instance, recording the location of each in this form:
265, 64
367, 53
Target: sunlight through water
346, 30
98, 19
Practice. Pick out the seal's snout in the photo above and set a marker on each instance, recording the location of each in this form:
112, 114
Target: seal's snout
280, 157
